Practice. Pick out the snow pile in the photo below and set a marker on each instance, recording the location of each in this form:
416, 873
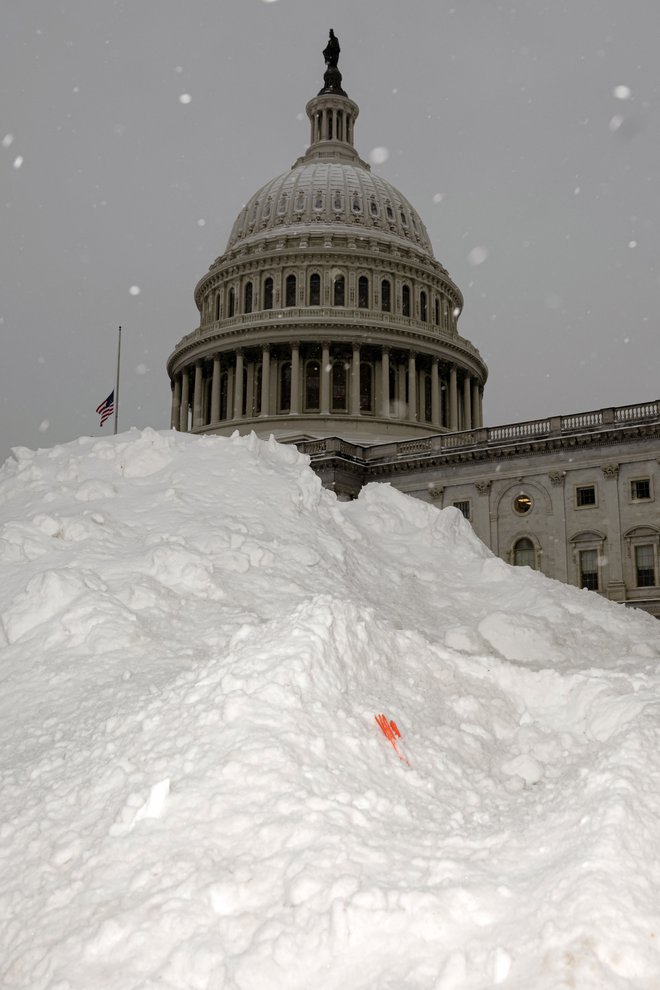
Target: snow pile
195, 638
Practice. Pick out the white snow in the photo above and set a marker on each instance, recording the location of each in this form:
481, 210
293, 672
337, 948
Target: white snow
195, 639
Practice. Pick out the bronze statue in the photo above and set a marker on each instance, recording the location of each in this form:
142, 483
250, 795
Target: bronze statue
331, 51
332, 75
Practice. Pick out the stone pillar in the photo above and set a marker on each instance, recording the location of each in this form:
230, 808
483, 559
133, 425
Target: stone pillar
453, 400
249, 405
197, 395
412, 387
238, 385
616, 588
467, 406
185, 401
325, 379
355, 380
265, 380
385, 383
476, 420
175, 418
295, 378
215, 390
435, 392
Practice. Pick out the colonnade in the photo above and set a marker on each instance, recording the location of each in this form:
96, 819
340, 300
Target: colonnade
325, 379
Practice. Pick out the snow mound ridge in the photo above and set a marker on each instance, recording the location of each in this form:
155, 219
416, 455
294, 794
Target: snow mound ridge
195, 639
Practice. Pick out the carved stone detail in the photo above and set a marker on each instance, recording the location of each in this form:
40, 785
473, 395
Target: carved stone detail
557, 478
610, 470
483, 487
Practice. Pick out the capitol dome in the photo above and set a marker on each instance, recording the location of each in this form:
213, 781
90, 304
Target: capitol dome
327, 314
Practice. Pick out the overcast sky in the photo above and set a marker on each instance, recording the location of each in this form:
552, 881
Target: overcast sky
526, 134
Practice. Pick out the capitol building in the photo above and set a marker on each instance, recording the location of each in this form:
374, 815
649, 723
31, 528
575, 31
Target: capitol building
329, 323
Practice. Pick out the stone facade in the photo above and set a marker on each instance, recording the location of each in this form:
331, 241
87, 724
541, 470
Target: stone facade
576, 497
328, 322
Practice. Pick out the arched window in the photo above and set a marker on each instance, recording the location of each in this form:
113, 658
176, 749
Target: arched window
285, 387
385, 296
315, 289
300, 201
363, 292
405, 300
404, 219
318, 199
247, 298
290, 297
373, 206
357, 202
337, 202
340, 126
338, 292
423, 307
268, 293
312, 386
389, 211
437, 312
281, 206
524, 554
217, 306
231, 302
338, 385
330, 116
267, 208
366, 387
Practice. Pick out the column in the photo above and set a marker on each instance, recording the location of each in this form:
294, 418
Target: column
412, 387
467, 408
325, 379
249, 405
476, 420
238, 385
295, 378
197, 395
175, 418
185, 401
385, 383
435, 392
215, 390
355, 380
453, 400
265, 380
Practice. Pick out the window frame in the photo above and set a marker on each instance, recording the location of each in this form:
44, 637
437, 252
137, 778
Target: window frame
463, 504
640, 498
585, 488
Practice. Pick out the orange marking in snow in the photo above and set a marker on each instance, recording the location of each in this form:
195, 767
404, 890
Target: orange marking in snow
391, 732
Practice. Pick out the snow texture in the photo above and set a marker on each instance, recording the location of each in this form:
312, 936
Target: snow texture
195, 639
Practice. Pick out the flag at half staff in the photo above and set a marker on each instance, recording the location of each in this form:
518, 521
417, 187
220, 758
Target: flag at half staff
106, 408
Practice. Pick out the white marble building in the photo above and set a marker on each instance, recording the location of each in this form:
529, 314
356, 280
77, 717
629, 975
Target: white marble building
328, 322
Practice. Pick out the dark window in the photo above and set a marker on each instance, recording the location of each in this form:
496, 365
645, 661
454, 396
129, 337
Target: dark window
389, 211
315, 290
524, 554
290, 290
339, 290
312, 386
405, 300
339, 381
300, 201
281, 206
268, 293
463, 507
589, 569
231, 307
337, 201
641, 488
385, 296
357, 204
363, 292
422, 307
224, 394
428, 399
217, 306
285, 387
437, 312
585, 495
245, 393
256, 391
373, 207
366, 387
318, 200
645, 566
247, 298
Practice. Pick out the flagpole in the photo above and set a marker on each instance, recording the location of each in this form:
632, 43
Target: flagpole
117, 384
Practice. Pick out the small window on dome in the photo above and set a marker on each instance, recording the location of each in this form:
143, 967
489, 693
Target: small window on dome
357, 203
337, 200
389, 211
373, 207
423, 314
247, 298
404, 219
290, 294
268, 293
405, 300
318, 200
315, 289
253, 214
363, 292
339, 290
300, 201
281, 206
267, 208
385, 296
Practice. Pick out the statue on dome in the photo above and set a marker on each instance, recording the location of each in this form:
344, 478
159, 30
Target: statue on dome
332, 75
332, 50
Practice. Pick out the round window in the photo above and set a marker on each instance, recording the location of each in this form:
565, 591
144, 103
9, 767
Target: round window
522, 504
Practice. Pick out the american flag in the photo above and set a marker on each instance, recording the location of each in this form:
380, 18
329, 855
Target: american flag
107, 408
